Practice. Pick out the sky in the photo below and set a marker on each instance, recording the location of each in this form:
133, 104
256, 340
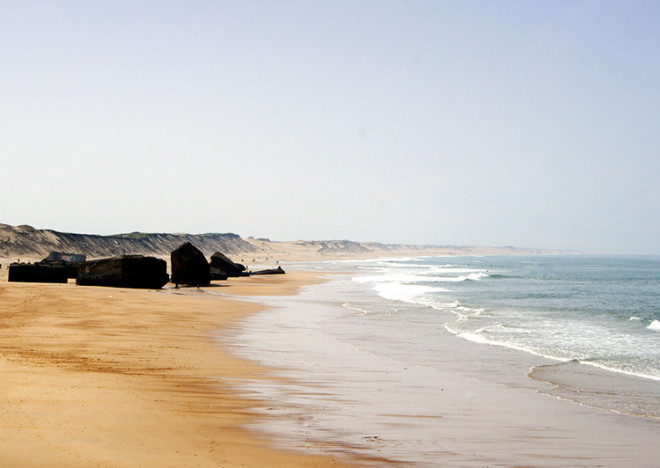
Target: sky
525, 123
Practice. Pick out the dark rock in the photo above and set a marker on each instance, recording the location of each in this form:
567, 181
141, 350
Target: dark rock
273, 271
221, 262
189, 266
128, 271
218, 274
37, 273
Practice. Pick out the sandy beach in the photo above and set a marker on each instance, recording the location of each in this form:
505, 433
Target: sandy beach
116, 377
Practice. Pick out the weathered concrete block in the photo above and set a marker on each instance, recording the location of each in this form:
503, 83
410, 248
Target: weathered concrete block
70, 267
272, 271
221, 262
189, 266
217, 274
37, 273
128, 271
66, 256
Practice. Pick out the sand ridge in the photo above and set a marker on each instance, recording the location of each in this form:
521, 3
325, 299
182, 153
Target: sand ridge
117, 377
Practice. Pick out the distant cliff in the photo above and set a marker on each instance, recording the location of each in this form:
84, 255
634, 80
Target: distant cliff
29, 242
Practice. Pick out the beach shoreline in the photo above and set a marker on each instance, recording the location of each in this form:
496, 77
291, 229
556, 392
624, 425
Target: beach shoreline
472, 404
120, 377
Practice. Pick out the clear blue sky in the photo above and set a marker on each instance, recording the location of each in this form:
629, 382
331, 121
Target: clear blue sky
528, 123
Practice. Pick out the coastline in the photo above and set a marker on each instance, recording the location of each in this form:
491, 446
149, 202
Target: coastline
475, 405
120, 377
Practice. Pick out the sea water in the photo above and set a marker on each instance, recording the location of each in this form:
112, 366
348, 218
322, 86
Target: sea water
589, 326
601, 311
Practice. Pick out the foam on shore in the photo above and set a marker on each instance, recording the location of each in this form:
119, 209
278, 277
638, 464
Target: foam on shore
342, 382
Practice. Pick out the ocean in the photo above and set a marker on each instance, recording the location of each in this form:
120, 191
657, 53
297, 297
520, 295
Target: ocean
369, 359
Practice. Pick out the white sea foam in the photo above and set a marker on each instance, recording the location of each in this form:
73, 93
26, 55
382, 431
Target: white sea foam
392, 278
655, 325
428, 276
361, 310
441, 306
477, 338
405, 292
453, 269
476, 276
619, 371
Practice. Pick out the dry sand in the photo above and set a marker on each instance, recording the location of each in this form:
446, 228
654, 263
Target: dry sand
97, 376
269, 252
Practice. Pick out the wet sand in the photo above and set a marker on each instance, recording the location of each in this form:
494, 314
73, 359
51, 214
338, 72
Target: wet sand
97, 376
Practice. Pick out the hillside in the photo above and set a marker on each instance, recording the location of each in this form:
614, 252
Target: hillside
28, 243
